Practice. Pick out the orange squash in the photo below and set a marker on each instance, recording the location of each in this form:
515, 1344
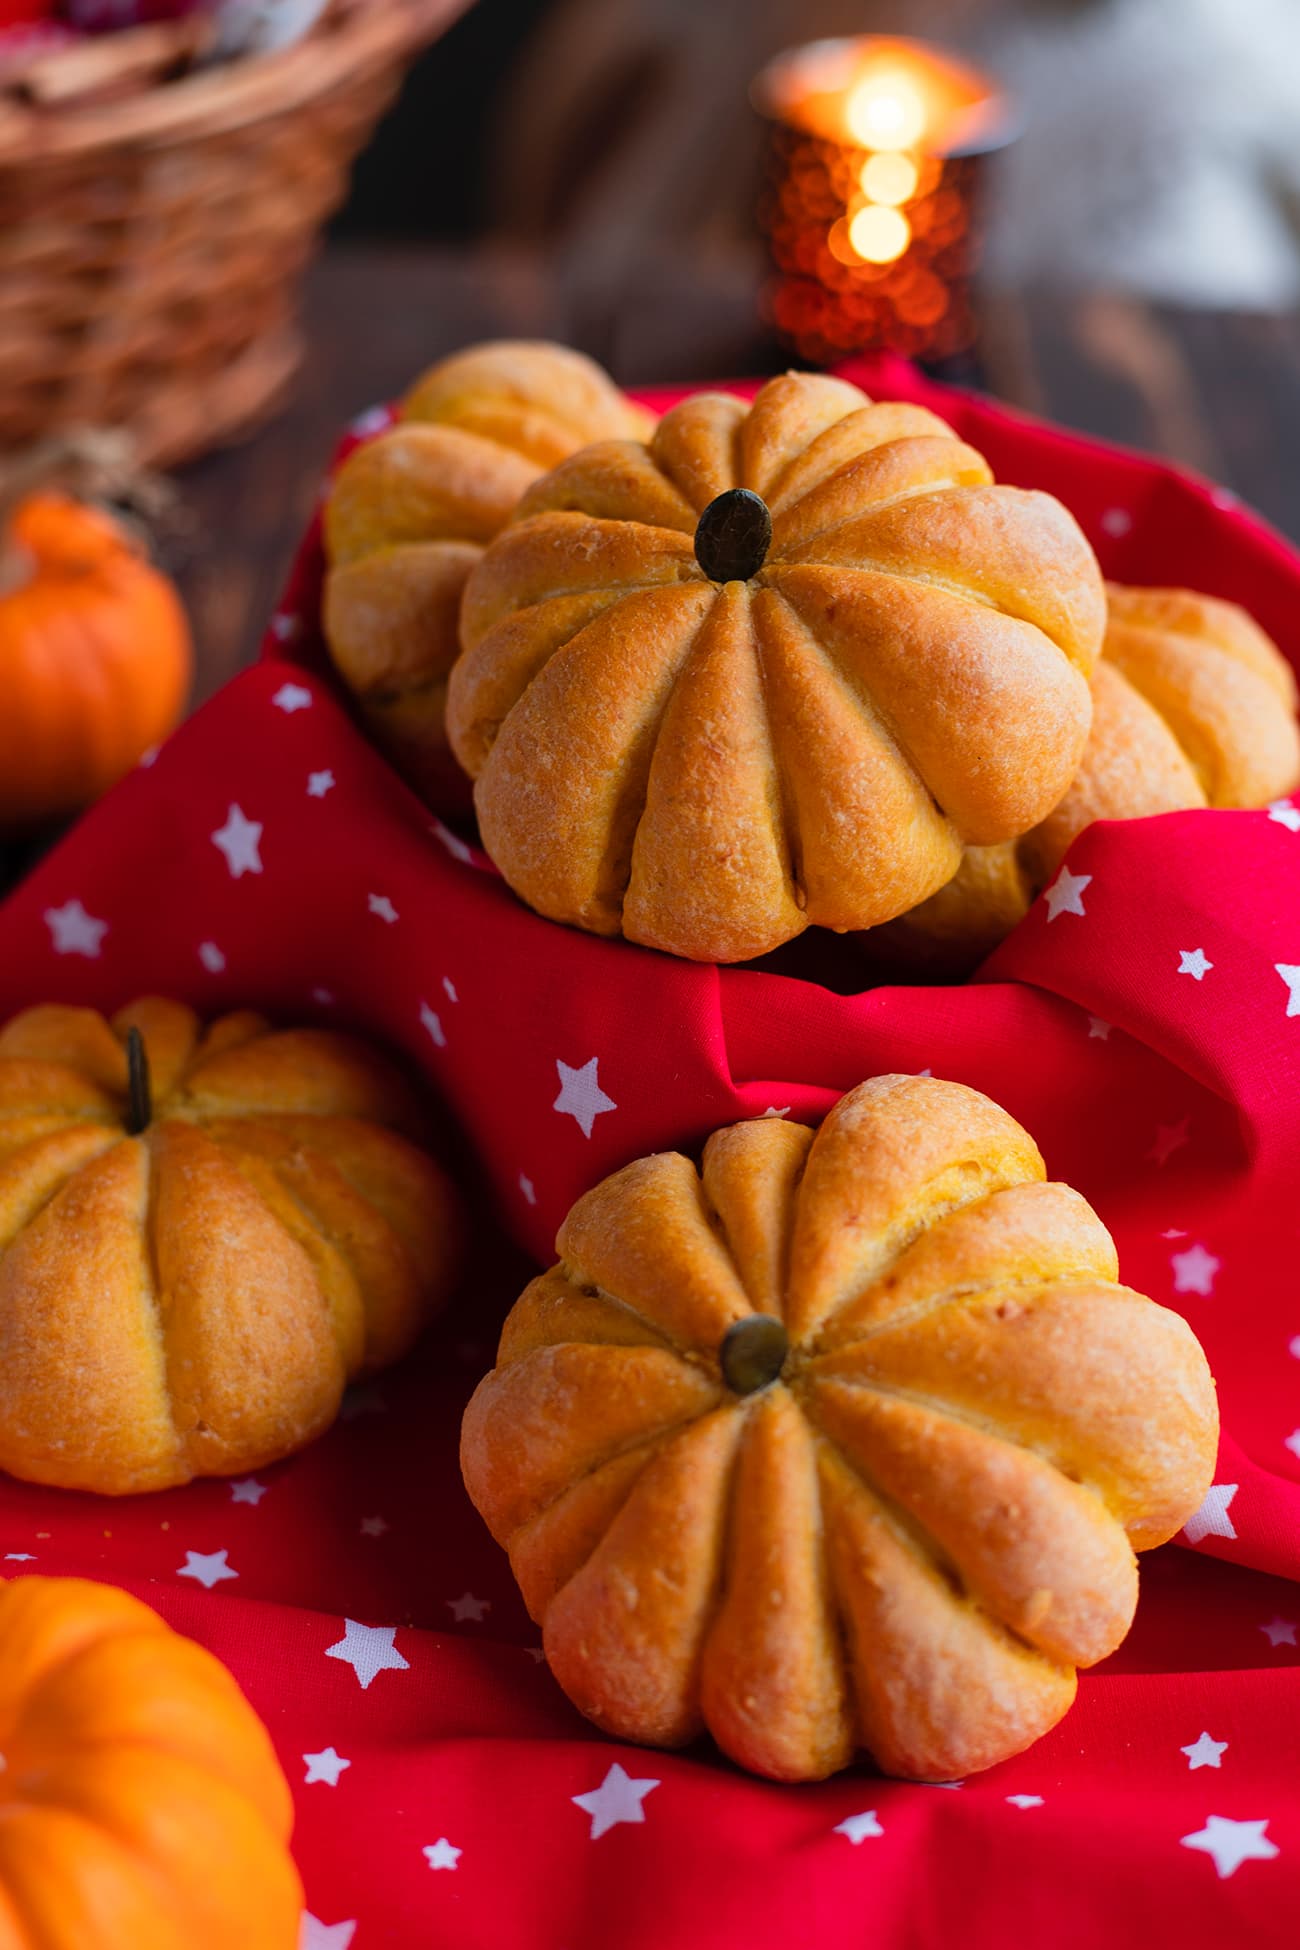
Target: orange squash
94, 658
141, 1803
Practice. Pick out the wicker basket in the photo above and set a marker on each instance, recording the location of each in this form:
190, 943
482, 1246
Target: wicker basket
151, 247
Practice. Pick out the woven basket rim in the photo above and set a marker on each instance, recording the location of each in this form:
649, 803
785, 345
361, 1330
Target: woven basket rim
217, 101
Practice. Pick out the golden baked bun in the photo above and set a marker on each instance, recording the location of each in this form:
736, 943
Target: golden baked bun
409, 512
848, 1441
1193, 705
191, 1299
775, 668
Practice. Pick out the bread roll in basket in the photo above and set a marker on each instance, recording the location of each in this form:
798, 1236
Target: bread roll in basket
776, 668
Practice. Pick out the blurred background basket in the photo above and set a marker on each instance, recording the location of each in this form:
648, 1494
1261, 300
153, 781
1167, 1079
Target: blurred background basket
152, 242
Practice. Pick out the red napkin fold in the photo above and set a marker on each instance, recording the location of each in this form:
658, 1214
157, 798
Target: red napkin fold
1143, 1023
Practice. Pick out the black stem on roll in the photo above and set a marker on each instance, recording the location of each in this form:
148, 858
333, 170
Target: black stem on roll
733, 535
140, 1112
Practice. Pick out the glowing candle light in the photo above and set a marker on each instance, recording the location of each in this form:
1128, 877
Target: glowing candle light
879, 235
870, 208
888, 177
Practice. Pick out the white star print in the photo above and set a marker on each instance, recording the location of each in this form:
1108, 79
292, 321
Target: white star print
1290, 973
1279, 1631
454, 845
858, 1827
1170, 1138
1205, 1752
206, 1569
381, 905
73, 931
1194, 962
1025, 1800
284, 628
292, 697
1065, 895
581, 1096
324, 1767
315, 1935
319, 783
369, 1650
618, 1798
469, 1607
1194, 1270
19, 1557
537, 1653
1293, 1346
1212, 1519
374, 1526
238, 840
249, 1491
148, 757
528, 1189
1098, 1029
1285, 814
449, 989
1117, 522
777, 1110
1231, 1843
211, 957
441, 1854
432, 1021
1292, 1442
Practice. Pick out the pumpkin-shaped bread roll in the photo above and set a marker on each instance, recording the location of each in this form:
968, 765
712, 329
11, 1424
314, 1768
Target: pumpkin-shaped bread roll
846, 1442
1193, 705
409, 512
777, 667
204, 1235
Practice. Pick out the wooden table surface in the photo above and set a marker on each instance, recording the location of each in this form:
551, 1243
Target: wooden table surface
1217, 392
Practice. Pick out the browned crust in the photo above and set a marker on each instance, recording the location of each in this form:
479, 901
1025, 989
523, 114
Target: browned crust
202, 1293
910, 1540
906, 674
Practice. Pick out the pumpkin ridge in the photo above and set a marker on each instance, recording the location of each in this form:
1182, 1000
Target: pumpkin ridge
311, 1236
134, 1864
929, 1552
151, 1304
790, 836
964, 1418
868, 705
905, 1526
651, 1448
656, 1441
618, 865
1009, 1284
950, 484
898, 1240
657, 1336
865, 708
33, 1212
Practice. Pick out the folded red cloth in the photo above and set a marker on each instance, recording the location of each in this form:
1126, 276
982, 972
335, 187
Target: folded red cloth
1143, 1023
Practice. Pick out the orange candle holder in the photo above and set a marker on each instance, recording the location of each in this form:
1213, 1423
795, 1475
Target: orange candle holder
872, 198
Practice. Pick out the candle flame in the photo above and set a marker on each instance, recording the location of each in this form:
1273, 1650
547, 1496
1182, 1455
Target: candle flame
885, 111
888, 177
879, 235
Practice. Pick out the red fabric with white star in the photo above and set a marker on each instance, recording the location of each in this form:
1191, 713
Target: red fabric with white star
1143, 1023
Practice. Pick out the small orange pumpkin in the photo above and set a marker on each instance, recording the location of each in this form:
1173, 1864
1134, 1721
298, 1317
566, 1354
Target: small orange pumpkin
141, 1802
94, 658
